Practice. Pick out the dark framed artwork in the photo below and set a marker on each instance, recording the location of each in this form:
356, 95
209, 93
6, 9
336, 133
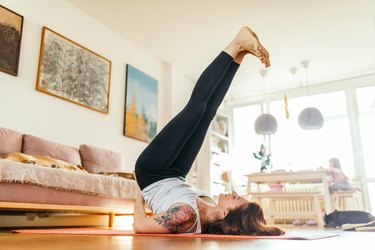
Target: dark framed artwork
72, 72
11, 25
141, 95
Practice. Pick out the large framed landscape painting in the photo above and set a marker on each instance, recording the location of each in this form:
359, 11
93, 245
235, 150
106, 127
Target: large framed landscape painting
72, 72
11, 25
140, 105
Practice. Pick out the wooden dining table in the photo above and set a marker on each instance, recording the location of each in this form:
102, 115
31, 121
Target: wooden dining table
282, 176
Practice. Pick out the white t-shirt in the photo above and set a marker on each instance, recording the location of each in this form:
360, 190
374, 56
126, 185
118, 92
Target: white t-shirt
161, 195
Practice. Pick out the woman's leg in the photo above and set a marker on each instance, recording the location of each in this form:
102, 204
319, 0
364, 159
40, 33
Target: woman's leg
153, 164
188, 128
185, 159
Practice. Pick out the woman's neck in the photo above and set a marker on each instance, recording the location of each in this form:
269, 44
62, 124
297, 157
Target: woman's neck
206, 208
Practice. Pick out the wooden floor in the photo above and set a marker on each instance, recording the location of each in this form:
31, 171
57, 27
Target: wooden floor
346, 240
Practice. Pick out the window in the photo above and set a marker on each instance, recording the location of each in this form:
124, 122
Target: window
366, 109
296, 149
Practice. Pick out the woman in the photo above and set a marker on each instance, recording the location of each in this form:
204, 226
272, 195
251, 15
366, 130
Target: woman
162, 167
339, 180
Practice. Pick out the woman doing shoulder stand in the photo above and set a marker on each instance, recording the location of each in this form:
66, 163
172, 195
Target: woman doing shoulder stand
162, 167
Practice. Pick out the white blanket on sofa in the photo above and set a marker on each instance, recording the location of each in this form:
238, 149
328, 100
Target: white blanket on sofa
73, 181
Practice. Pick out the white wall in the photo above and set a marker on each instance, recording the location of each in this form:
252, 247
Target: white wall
27, 110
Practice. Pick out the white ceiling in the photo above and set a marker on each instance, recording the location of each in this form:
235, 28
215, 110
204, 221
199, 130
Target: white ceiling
337, 37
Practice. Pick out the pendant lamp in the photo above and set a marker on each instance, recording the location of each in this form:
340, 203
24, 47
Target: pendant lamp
265, 124
310, 118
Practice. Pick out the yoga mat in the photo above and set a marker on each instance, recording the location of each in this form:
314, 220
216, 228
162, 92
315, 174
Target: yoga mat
95, 231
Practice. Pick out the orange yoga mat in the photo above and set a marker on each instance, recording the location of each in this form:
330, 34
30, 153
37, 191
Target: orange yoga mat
112, 232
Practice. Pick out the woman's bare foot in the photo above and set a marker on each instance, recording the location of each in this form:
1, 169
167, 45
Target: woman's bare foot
245, 42
241, 55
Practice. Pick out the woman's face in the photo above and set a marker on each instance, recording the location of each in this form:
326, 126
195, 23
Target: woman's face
231, 201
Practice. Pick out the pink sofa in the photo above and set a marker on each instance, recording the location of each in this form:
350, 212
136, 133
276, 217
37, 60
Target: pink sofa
29, 187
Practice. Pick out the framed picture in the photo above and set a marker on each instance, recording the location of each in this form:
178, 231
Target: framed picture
140, 105
11, 25
70, 71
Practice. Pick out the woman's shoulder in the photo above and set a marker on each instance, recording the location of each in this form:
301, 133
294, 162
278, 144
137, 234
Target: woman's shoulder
182, 216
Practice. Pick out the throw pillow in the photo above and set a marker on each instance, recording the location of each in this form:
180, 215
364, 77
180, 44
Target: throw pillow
96, 160
33, 145
10, 141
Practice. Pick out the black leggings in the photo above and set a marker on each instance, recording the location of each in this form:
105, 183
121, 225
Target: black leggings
172, 152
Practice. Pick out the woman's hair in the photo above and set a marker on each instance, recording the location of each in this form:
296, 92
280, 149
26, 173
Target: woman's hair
244, 220
335, 163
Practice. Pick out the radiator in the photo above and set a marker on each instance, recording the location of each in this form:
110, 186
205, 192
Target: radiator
285, 210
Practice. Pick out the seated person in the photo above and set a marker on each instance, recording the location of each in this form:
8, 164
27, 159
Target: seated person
339, 180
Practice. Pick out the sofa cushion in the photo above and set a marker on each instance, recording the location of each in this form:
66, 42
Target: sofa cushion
10, 141
96, 160
33, 145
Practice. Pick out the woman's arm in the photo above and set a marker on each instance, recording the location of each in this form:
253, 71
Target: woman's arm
178, 219
139, 210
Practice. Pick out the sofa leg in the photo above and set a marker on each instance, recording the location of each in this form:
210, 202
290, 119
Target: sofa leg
111, 218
